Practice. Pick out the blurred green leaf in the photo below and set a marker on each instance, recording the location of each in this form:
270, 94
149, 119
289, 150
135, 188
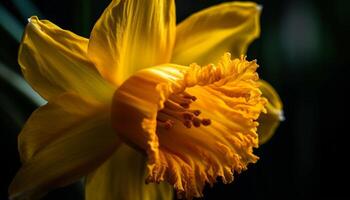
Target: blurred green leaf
26, 8
20, 84
10, 24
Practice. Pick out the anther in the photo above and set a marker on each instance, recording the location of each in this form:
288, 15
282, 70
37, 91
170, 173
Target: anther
177, 107
172, 105
168, 124
188, 96
187, 123
162, 117
206, 122
196, 112
163, 122
176, 114
196, 122
184, 102
187, 116
185, 105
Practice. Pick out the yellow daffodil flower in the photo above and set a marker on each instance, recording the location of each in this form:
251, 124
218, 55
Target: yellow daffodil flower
130, 106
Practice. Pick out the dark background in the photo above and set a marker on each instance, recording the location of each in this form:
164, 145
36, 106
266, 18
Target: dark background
302, 52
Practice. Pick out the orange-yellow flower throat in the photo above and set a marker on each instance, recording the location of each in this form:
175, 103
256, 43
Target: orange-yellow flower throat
177, 107
154, 109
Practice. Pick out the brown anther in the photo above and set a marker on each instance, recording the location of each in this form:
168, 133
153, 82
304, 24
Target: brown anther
206, 122
179, 99
185, 105
187, 123
196, 122
168, 124
173, 113
177, 106
173, 106
162, 117
188, 96
196, 112
187, 116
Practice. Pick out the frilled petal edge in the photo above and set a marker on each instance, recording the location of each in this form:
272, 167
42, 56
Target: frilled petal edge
227, 93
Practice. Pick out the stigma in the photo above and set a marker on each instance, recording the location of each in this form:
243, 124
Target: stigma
177, 107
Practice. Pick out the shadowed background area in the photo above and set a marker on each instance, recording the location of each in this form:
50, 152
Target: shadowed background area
301, 51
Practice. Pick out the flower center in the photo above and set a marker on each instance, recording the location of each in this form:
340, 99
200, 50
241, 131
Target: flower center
178, 107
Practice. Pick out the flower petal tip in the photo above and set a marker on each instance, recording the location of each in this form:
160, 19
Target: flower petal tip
281, 116
33, 22
32, 18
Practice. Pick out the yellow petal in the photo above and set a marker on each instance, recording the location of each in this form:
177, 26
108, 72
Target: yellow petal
54, 61
268, 122
122, 176
227, 93
61, 142
205, 36
131, 35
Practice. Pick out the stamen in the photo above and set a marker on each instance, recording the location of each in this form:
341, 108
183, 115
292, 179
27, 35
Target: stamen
188, 116
168, 124
206, 122
196, 122
185, 105
172, 105
188, 123
179, 99
164, 122
162, 117
176, 114
196, 112
177, 107
188, 96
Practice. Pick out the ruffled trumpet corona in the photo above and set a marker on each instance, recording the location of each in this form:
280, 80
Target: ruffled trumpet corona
157, 110
140, 112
